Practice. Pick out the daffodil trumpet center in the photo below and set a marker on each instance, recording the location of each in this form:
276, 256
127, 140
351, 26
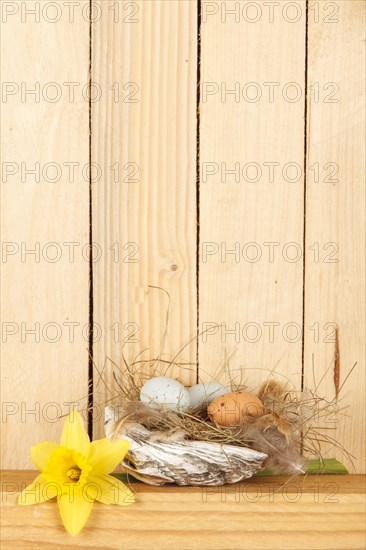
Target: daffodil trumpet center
74, 473
66, 465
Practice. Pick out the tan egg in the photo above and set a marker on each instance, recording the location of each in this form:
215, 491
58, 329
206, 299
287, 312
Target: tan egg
234, 408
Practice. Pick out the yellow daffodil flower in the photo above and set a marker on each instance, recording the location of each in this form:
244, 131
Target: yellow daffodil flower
76, 473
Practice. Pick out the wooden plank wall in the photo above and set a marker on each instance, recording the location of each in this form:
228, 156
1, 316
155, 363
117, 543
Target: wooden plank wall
251, 133
250, 273
144, 209
44, 301
335, 216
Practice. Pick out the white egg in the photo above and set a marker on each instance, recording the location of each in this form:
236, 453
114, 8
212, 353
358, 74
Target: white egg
165, 391
202, 394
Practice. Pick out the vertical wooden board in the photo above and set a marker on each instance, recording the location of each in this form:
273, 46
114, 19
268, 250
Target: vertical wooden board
44, 293
147, 211
252, 123
335, 230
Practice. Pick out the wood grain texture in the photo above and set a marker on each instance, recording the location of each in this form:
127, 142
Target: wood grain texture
44, 293
320, 512
151, 215
255, 292
335, 213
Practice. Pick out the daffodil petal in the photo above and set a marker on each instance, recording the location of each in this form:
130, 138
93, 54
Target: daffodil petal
38, 491
108, 490
75, 508
106, 454
40, 453
74, 435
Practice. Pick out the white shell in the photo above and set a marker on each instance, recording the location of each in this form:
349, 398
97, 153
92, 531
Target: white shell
202, 394
156, 461
165, 391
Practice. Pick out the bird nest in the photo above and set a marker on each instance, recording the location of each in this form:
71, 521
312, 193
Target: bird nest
188, 448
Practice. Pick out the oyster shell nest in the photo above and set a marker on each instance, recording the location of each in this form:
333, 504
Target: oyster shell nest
183, 462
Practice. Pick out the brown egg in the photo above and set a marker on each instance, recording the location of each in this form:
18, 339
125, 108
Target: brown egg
234, 408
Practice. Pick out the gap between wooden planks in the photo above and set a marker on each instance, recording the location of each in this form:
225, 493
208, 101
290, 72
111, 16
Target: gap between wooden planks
318, 512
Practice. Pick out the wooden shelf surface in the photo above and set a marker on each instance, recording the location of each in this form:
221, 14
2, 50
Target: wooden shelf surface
318, 512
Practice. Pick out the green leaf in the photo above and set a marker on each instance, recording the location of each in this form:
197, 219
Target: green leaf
327, 466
